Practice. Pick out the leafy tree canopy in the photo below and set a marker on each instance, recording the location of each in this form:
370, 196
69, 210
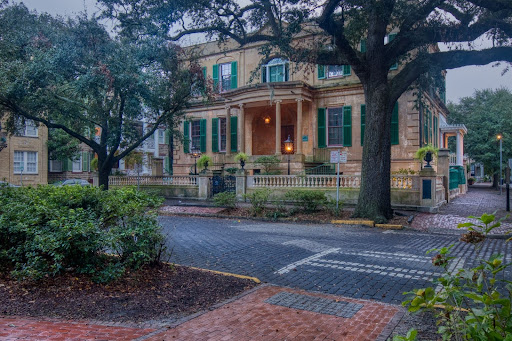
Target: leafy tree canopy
486, 114
339, 27
69, 74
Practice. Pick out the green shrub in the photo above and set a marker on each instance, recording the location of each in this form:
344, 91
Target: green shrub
309, 201
330, 205
48, 230
267, 163
204, 161
231, 170
225, 199
258, 200
470, 304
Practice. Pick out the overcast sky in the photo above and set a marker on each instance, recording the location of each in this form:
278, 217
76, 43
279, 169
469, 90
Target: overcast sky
461, 82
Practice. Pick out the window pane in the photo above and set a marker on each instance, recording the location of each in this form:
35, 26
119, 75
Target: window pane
277, 73
195, 134
225, 71
31, 162
30, 128
18, 161
335, 126
334, 71
161, 136
222, 133
77, 164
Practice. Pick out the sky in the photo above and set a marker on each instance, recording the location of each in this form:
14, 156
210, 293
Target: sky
460, 82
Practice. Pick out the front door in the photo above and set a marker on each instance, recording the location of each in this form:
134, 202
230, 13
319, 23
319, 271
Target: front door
285, 132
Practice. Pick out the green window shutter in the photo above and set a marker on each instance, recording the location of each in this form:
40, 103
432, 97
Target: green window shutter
347, 126
167, 136
363, 45
321, 128
65, 165
70, 165
347, 70
234, 133
186, 137
202, 130
425, 127
363, 122
215, 76
436, 139
215, 135
205, 77
85, 161
321, 71
429, 126
394, 125
234, 81
263, 74
286, 72
167, 165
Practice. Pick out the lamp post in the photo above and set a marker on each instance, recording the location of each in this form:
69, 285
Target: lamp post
195, 155
500, 137
288, 149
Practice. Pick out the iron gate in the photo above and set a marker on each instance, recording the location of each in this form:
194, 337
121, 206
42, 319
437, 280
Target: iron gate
219, 184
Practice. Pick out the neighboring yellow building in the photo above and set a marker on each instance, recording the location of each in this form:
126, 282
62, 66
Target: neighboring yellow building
25, 155
320, 107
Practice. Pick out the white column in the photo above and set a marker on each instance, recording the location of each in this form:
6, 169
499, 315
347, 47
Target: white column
460, 149
299, 126
228, 131
241, 129
278, 127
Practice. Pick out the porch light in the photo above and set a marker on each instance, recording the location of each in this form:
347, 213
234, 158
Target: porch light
266, 119
195, 154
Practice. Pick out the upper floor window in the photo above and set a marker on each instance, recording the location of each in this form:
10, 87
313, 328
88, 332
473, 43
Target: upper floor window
225, 76
27, 129
195, 135
333, 71
276, 70
161, 136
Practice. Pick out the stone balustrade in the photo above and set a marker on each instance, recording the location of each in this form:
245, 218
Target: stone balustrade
186, 180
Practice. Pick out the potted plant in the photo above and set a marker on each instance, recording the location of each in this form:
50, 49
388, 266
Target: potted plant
426, 153
203, 161
471, 181
242, 158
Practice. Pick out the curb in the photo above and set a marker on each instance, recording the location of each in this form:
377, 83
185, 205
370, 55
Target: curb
390, 226
254, 279
370, 223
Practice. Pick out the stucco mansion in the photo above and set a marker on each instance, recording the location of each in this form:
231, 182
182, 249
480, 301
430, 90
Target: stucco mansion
262, 103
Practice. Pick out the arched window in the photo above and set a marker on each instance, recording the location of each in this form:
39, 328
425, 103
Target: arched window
276, 70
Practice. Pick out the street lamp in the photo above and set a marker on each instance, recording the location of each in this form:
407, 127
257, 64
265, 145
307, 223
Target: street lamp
195, 155
288, 149
500, 137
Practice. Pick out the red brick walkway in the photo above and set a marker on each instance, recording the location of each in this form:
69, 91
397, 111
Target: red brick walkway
19, 328
250, 318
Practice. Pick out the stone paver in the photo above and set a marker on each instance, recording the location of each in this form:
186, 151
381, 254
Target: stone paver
475, 202
21, 328
251, 318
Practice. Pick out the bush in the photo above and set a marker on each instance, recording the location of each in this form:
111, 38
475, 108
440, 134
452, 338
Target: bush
470, 304
48, 230
231, 170
330, 205
267, 162
309, 201
225, 199
258, 200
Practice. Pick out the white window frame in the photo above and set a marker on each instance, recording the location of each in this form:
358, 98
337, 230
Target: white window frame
329, 144
219, 133
161, 136
273, 63
25, 162
55, 166
343, 74
226, 76
191, 146
24, 131
79, 162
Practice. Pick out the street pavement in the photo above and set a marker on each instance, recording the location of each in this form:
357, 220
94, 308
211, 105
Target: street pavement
356, 262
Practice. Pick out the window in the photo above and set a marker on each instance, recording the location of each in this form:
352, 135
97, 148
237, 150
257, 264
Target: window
225, 76
161, 136
388, 39
275, 70
27, 129
335, 126
55, 166
195, 135
77, 164
26, 162
333, 71
222, 134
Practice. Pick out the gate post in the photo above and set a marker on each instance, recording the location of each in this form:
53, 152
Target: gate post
241, 184
204, 186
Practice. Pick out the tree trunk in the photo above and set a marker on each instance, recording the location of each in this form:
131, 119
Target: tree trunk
103, 178
375, 193
495, 180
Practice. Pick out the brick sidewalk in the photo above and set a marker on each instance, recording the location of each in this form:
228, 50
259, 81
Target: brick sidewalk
292, 315
475, 202
267, 313
21, 328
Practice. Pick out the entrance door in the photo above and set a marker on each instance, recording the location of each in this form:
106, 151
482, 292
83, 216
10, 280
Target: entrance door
285, 132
